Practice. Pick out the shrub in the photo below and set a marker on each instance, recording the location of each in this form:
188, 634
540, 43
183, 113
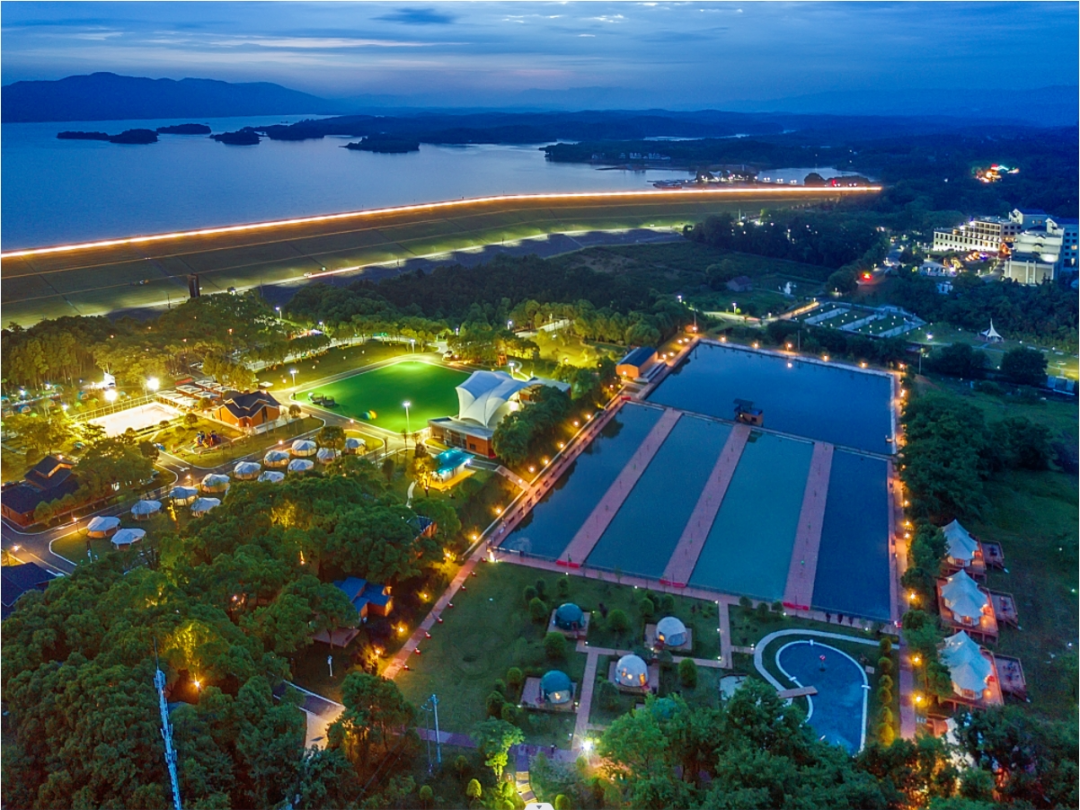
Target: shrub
778, 607
648, 608
426, 795
762, 611
530, 594
500, 686
618, 621
745, 603
509, 713
885, 682
885, 645
494, 703
667, 603
555, 646
562, 587
885, 665
538, 610
541, 586
885, 716
561, 802
461, 765
514, 678
608, 695
473, 790
688, 673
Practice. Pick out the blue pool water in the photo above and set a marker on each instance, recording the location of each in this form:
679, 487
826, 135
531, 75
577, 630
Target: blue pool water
748, 549
832, 404
855, 538
647, 528
554, 521
837, 710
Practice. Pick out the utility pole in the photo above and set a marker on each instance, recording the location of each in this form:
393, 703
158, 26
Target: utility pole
432, 705
166, 733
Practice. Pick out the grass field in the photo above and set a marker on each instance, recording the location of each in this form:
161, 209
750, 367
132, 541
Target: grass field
429, 388
489, 630
99, 280
335, 361
1058, 363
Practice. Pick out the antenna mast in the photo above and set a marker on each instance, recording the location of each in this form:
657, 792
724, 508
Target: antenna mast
166, 731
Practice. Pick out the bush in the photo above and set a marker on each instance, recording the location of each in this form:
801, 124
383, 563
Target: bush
514, 678
618, 621
541, 586
745, 603
530, 594
509, 713
426, 795
762, 611
473, 790
885, 716
667, 604
555, 646
461, 765
494, 703
885, 645
688, 674
500, 686
885, 682
1024, 366
777, 607
561, 802
885, 665
538, 611
648, 608
608, 695
562, 587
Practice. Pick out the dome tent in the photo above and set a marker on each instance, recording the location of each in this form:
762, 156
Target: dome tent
968, 668
303, 448
246, 470
272, 477
215, 483
555, 687
300, 465
141, 510
670, 632
184, 495
125, 537
631, 671
353, 446
276, 458
569, 616
204, 505
102, 526
326, 455
961, 546
962, 596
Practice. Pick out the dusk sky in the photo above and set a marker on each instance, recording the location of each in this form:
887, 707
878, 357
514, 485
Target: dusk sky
648, 54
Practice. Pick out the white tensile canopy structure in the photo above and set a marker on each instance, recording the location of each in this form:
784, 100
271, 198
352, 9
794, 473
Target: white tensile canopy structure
968, 668
326, 455
631, 671
102, 526
215, 483
353, 445
962, 596
991, 334
204, 505
276, 458
961, 545
184, 494
272, 477
125, 537
484, 398
671, 632
144, 509
303, 448
246, 470
299, 465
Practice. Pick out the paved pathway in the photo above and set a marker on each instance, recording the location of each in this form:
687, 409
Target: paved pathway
588, 683
597, 522
803, 567
321, 713
908, 719
685, 556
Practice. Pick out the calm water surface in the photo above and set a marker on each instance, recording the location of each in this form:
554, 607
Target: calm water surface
57, 192
837, 709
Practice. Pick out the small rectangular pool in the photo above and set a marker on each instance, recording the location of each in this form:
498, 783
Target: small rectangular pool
748, 550
853, 560
553, 522
647, 527
834, 404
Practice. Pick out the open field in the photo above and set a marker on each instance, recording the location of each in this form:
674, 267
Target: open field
145, 271
429, 387
1058, 363
334, 361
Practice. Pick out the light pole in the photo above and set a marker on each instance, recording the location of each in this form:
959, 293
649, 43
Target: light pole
153, 384
408, 425
293, 372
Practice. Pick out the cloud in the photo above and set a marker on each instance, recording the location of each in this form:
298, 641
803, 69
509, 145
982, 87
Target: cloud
316, 43
418, 16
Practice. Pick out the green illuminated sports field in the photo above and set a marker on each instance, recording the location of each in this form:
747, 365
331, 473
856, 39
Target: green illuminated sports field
428, 386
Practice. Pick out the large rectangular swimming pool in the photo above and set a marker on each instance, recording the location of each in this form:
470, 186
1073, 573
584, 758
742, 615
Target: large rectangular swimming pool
835, 404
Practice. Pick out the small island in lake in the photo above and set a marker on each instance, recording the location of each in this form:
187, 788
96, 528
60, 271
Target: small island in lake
127, 136
242, 137
184, 129
388, 144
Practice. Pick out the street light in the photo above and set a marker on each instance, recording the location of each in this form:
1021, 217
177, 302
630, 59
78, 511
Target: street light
293, 372
153, 384
408, 426
110, 395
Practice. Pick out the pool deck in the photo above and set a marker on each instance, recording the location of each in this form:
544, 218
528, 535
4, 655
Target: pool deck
804, 556
589, 534
685, 557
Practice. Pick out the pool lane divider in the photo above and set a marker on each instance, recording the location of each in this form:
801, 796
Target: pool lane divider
589, 534
684, 558
804, 556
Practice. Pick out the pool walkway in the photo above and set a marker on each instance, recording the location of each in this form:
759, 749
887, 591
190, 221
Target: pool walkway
804, 557
596, 524
686, 553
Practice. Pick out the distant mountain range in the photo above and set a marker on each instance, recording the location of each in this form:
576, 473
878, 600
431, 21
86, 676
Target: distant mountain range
109, 97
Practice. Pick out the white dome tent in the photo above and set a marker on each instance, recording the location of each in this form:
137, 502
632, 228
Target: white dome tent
326, 455
354, 446
125, 537
300, 465
141, 510
215, 483
102, 526
204, 505
671, 632
631, 671
246, 470
183, 495
272, 477
302, 448
276, 458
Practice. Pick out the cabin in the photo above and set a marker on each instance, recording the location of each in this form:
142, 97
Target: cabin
636, 363
746, 413
247, 411
49, 480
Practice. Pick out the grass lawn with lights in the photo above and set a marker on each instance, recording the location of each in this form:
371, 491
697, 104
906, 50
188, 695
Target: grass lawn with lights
429, 387
489, 630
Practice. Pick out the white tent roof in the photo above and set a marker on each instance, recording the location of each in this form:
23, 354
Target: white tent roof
352, 443
326, 455
102, 524
272, 477
204, 505
183, 493
992, 333
276, 458
213, 481
246, 469
962, 595
481, 397
300, 465
125, 537
961, 545
142, 508
670, 627
631, 671
303, 447
967, 666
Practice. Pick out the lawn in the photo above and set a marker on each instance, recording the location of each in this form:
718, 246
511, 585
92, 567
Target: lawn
934, 335
489, 630
74, 546
179, 441
382, 392
748, 626
1034, 517
335, 361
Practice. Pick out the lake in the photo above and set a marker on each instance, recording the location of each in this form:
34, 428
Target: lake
58, 192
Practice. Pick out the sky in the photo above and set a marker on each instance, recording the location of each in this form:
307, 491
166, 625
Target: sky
639, 54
